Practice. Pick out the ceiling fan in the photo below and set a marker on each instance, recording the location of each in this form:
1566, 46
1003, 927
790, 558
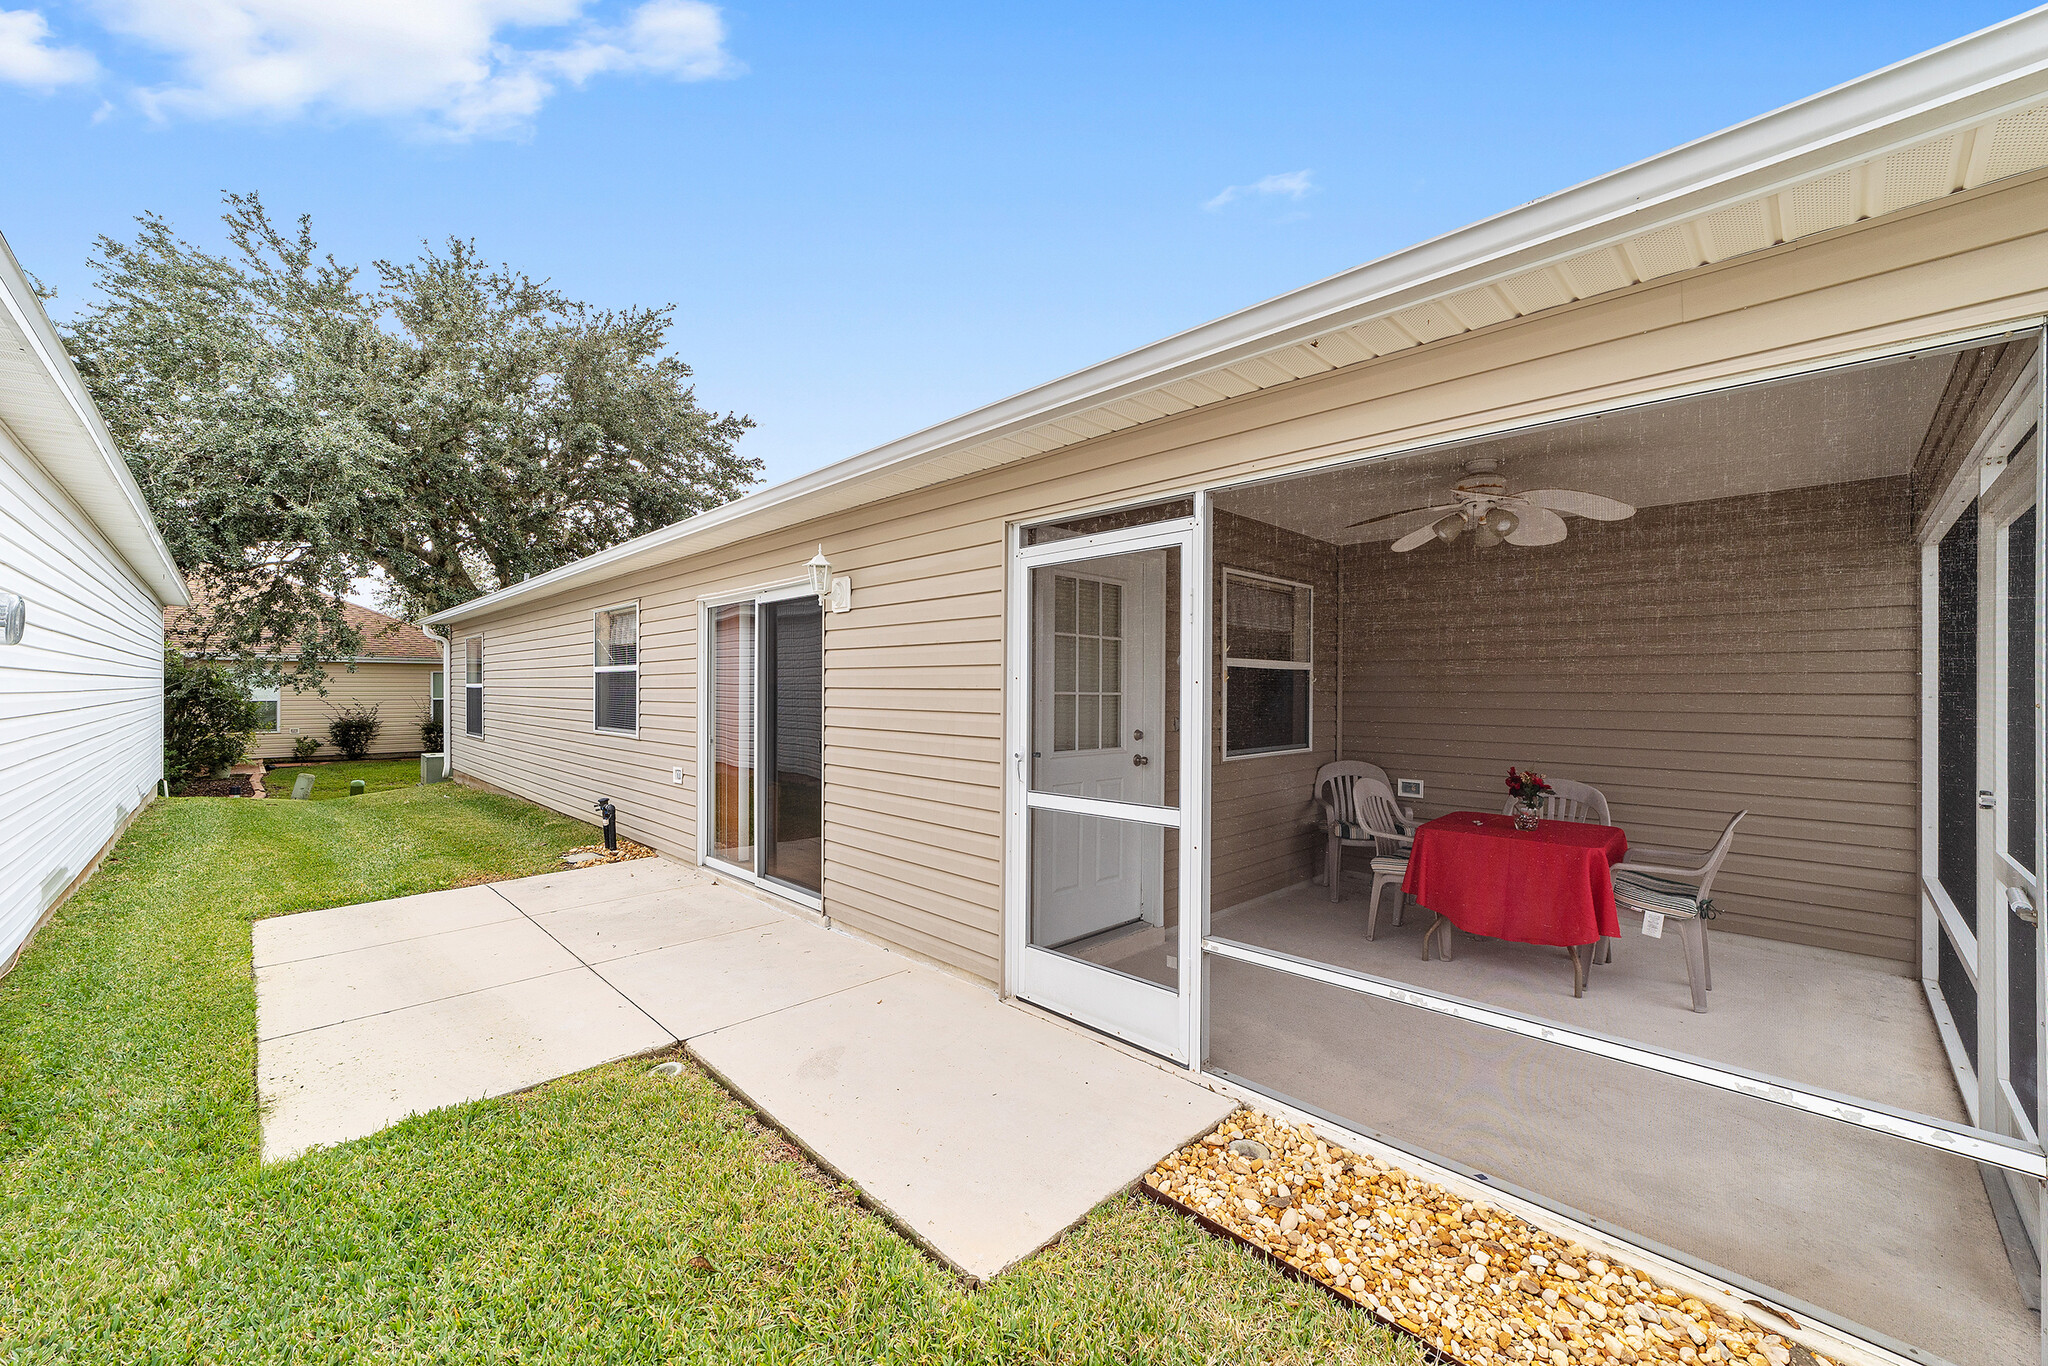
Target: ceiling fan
1482, 505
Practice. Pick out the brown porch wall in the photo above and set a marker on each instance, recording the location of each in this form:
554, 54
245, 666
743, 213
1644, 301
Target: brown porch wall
1261, 831
1755, 652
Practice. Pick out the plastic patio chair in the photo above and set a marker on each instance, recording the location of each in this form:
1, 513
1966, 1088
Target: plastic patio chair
1360, 811
1679, 894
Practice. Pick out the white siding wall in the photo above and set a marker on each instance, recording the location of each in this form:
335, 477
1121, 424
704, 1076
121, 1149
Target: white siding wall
81, 698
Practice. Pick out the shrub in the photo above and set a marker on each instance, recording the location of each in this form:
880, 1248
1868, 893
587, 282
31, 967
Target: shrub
354, 729
208, 720
303, 747
430, 735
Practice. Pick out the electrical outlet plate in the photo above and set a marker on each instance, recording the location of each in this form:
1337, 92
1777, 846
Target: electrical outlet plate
1405, 788
677, 779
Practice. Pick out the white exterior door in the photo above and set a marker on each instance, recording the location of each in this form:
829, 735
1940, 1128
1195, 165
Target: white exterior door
1097, 687
1104, 863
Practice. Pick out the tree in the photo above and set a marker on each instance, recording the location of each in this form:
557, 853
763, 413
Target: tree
208, 719
457, 427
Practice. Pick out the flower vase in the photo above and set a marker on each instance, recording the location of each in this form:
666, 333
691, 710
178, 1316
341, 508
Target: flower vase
1528, 814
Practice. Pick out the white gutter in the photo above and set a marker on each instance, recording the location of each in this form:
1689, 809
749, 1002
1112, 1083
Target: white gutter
139, 542
1960, 83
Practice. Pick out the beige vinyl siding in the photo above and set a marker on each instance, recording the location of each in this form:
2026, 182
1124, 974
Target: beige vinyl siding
1261, 822
1755, 652
399, 691
914, 673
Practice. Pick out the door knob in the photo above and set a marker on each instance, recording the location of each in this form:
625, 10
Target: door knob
1139, 761
2021, 907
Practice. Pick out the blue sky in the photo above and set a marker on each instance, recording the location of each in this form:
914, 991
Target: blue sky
872, 218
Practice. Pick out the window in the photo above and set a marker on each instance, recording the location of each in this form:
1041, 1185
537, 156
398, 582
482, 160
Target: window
473, 687
1087, 667
616, 680
437, 706
1267, 665
266, 707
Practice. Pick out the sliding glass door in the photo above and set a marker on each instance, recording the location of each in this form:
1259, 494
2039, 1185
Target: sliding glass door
764, 771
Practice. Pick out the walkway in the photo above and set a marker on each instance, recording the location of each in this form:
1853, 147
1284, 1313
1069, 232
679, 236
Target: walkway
982, 1130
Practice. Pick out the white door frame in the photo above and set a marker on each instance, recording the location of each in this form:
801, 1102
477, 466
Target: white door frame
1153, 1017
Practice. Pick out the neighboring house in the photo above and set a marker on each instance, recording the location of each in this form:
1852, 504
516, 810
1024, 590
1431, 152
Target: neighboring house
398, 672
81, 695
1779, 395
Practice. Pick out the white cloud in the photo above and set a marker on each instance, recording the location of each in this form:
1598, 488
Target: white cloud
1293, 185
456, 67
27, 58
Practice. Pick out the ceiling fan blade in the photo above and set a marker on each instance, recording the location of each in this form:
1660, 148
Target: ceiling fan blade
1415, 539
1593, 505
1539, 526
1390, 516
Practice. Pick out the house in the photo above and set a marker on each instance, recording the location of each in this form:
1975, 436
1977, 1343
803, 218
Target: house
82, 687
1711, 484
398, 672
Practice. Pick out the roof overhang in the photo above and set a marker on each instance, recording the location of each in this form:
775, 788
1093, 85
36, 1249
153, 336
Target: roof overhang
1952, 119
44, 405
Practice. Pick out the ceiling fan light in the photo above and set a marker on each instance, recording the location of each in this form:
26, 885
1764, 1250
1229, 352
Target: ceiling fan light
1502, 523
1485, 537
1449, 528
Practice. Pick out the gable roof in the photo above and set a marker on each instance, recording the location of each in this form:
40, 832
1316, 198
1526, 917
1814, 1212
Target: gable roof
45, 407
384, 637
1962, 115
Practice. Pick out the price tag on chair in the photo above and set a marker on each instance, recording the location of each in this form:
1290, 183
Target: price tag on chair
1653, 924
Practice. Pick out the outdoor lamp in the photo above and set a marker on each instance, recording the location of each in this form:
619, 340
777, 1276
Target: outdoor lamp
837, 594
13, 617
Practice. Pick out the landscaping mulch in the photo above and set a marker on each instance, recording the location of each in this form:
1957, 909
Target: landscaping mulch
1474, 1282
627, 850
233, 785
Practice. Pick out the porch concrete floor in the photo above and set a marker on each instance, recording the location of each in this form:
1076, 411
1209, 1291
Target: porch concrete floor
1886, 1234
1821, 1017
982, 1130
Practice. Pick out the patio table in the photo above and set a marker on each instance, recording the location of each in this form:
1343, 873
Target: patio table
1551, 885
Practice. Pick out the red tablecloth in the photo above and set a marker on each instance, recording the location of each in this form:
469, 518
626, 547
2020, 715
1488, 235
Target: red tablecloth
1550, 885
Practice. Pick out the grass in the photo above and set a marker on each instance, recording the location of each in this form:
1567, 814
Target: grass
609, 1216
332, 779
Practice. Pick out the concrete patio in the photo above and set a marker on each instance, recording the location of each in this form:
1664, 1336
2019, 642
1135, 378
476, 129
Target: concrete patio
982, 1130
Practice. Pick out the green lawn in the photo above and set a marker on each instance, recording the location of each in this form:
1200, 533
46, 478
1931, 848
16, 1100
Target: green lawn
606, 1217
332, 780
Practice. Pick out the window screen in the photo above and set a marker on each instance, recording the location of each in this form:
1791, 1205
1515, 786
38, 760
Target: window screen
617, 669
1267, 658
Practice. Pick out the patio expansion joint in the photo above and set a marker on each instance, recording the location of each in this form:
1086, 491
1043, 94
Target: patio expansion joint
796, 1005
587, 965
437, 1000
382, 943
